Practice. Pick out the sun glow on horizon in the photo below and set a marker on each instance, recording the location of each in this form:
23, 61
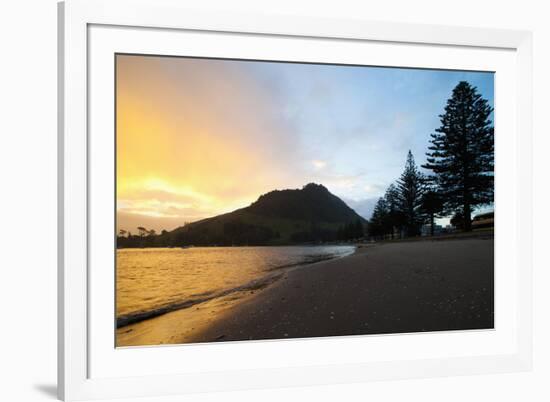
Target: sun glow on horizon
188, 146
199, 137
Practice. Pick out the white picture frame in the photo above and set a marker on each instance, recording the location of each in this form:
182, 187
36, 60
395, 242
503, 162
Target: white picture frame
79, 377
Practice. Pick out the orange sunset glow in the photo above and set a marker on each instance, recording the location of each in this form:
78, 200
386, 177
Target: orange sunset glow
191, 142
200, 137
265, 199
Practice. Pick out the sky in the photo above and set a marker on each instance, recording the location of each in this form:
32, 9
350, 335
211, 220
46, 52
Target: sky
201, 137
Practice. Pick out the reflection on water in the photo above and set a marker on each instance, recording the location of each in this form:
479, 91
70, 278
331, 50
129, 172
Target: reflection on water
153, 281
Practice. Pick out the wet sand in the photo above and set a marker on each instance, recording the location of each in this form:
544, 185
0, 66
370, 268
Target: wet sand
383, 288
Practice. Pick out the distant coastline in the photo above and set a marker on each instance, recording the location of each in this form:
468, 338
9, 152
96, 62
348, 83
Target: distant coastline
310, 215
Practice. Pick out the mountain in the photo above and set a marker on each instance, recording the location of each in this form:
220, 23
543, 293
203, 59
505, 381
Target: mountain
313, 203
311, 214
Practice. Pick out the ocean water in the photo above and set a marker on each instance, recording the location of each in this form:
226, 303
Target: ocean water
154, 281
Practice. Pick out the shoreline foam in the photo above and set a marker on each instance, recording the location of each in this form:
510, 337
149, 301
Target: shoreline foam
255, 284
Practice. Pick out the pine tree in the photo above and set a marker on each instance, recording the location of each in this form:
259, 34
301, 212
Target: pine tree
394, 217
410, 187
378, 222
462, 153
431, 206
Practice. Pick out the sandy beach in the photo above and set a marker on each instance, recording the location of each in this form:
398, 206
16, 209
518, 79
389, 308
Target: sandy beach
382, 288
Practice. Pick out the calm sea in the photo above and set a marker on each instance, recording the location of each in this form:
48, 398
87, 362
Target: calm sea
154, 281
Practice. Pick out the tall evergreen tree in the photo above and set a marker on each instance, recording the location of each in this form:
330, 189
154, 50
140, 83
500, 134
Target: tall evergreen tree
462, 153
410, 187
431, 206
394, 217
378, 226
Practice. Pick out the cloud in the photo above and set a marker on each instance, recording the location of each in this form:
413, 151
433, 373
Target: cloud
375, 189
198, 137
363, 207
318, 164
130, 221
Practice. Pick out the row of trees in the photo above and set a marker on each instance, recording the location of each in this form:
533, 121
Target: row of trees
350, 231
406, 205
236, 233
232, 233
144, 238
461, 161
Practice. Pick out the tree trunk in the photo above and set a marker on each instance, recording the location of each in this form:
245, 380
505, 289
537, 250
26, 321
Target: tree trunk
432, 224
467, 217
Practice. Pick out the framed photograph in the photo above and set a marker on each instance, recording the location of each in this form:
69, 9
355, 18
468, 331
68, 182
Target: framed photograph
251, 201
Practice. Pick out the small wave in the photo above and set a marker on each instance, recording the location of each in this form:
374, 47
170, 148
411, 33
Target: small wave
133, 318
308, 259
256, 284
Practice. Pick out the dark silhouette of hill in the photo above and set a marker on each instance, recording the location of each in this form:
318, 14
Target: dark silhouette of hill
311, 214
312, 203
